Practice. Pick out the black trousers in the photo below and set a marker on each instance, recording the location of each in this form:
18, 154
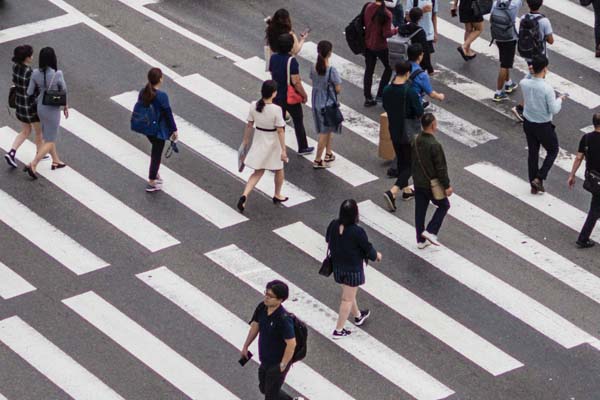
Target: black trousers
371, 58
158, 146
597, 22
422, 199
270, 381
297, 115
403, 163
592, 217
426, 61
540, 134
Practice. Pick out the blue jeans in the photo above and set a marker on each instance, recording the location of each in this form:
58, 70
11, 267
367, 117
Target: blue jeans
422, 199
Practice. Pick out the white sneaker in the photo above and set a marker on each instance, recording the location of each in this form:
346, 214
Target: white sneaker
422, 245
433, 239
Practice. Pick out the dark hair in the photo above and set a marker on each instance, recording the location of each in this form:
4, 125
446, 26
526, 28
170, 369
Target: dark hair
285, 43
415, 14
596, 120
426, 120
381, 16
279, 23
402, 68
535, 5
279, 289
149, 93
48, 59
348, 212
538, 63
414, 51
21, 53
266, 91
323, 49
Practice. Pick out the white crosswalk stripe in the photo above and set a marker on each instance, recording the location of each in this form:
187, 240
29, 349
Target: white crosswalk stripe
572, 10
95, 198
147, 348
12, 284
38, 27
322, 319
2, 397
231, 328
52, 362
515, 302
418, 311
238, 107
221, 154
47, 237
452, 125
178, 187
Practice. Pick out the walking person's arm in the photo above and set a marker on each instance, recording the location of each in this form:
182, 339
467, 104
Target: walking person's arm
290, 346
576, 164
63, 85
441, 167
297, 82
281, 135
252, 334
554, 103
434, 21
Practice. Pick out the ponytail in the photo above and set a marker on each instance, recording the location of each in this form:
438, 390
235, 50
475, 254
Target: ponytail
260, 105
149, 92
324, 50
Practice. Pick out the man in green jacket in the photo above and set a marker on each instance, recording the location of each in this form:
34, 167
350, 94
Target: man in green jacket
429, 163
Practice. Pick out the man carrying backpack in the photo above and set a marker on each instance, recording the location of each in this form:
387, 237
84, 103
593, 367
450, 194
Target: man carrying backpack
535, 31
504, 33
418, 78
429, 25
276, 341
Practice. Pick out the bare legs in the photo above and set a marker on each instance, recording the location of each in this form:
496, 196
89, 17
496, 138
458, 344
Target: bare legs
472, 32
255, 178
45, 148
325, 140
24, 134
348, 305
503, 77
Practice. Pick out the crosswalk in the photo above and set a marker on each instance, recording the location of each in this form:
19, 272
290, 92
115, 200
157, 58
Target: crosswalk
413, 377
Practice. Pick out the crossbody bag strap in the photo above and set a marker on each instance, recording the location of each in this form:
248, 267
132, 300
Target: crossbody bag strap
330, 83
419, 156
289, 75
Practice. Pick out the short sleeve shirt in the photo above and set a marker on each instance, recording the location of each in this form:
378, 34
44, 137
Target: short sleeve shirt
592, 159
427, 21
278, 69
421, 82
322, 85
273, 331
270, 117
545, 28
513, 11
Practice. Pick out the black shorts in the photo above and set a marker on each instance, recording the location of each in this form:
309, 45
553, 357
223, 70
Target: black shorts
507, 53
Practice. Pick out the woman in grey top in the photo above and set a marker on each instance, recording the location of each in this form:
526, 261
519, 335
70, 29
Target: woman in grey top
47, 77
326, 85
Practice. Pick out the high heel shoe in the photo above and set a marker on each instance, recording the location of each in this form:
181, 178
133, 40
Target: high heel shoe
58, 165
241, 205
277, 201
30, 171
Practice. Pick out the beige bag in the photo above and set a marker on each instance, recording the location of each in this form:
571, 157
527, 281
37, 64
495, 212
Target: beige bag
437, 190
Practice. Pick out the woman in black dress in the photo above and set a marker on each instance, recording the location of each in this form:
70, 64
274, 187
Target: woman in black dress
473, 26
26, 108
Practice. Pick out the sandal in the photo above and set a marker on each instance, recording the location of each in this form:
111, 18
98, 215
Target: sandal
329, 157
320, 164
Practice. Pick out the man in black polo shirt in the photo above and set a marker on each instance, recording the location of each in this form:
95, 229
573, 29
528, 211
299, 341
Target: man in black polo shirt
276, 341
589, 148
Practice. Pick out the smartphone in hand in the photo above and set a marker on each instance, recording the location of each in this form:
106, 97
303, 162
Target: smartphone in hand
244, 360
305, 32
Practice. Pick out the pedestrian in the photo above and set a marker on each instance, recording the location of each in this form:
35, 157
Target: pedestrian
410, 27
539, 106
429, 24
502, 23
279, 24
276, 341
378, 27
349, 249
326, 82
26, 108
432, 184
404, 110
285, 70
589, 148
397, 10
596, 5
473, 26
45, 78
265, 132
151, 95
419, 80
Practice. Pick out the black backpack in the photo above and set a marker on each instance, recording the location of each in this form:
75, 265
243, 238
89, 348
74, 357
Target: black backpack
355, 32
529, 43
301, 332
501, 24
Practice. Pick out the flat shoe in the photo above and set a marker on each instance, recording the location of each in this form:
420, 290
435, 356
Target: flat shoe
277, 201
58, 166
462, 53
241, 205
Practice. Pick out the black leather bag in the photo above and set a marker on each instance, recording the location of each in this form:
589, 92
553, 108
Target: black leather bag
326, 266
56, 98
332, 116
12, 97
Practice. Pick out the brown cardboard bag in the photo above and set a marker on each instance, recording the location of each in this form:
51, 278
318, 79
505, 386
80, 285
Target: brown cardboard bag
386, 148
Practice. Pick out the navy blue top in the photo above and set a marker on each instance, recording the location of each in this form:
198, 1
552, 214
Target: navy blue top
274, 329
166, 120
278, 69
350, 249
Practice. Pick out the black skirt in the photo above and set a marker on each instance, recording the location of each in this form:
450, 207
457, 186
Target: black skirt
465, 12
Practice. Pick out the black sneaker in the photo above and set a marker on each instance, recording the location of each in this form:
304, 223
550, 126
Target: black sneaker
340, 334
426, 104
538, 184
307, 150
585, 244
10, 159
152, 188
364, 314
370, 102
392, 172
408, 195
390, 200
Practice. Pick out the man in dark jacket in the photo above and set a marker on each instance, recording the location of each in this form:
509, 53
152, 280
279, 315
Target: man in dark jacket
429, 162
404, 109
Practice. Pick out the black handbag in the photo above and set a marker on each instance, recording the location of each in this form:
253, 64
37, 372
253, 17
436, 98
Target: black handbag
332, 116
591, 182
12, 97
56, 98
327, 266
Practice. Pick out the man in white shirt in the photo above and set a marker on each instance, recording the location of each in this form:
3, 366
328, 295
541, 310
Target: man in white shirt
429, 25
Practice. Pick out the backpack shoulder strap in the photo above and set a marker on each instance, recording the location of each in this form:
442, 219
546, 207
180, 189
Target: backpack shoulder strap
415, 73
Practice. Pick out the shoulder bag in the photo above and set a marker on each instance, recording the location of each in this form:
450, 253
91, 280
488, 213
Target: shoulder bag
54, 98
412, 126
293, 97
327, 266
436, 187
592, 178
12, 97
332, 116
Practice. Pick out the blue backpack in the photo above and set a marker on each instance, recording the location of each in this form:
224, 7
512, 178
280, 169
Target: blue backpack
145, 119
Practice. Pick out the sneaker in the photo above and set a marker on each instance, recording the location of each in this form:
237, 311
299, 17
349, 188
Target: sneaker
392, 172
426, 104
364, 314
518, 111
586, 244
10, 159
340, 334
390, 200
370, 103
538, 184
307, 150
320, 164
511, 88
500, 97
422, 245
406, 196
152, 188
433, 239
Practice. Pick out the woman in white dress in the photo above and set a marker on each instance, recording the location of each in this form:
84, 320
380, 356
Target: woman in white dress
267, 151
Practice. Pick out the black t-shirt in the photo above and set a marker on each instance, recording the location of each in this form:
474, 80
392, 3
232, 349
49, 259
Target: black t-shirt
592, 158
274, 329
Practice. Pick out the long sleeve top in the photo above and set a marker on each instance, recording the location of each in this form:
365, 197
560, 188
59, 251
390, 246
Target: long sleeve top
375, 33
401, 102
166, 120
433, 160
48, 79
540, 102
350, 249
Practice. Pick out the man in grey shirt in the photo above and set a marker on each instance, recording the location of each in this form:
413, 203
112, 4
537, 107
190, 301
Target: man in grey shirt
545, 35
